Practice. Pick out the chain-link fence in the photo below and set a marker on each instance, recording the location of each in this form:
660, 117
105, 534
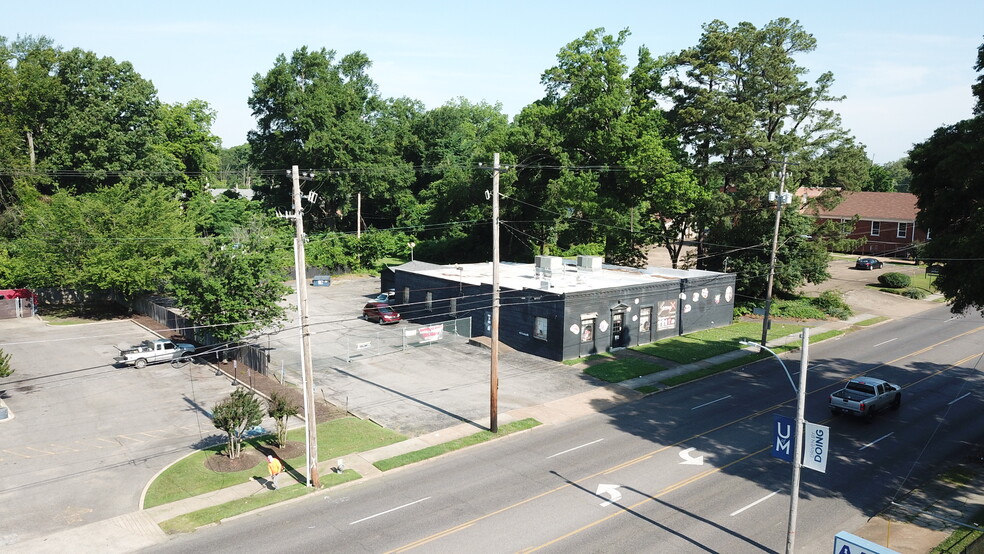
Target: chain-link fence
384, 340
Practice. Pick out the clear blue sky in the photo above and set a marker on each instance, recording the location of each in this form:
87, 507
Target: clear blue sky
905, 67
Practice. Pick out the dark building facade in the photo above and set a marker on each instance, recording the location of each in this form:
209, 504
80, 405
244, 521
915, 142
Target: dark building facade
561, 310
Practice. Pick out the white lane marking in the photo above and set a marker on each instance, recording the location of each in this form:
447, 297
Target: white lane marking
951, 319
872, 443
711, 402
390, 510
575, 448
763, 499
885, 342
957, 399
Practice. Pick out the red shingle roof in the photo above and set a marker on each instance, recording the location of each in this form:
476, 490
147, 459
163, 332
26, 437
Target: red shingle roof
875, 206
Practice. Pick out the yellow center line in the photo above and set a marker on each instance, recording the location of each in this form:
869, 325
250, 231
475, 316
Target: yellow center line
649, 455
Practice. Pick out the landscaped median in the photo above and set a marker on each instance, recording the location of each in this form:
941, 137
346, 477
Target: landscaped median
191, 476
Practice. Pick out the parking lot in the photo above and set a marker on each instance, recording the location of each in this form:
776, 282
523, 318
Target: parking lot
85, 436
413, 390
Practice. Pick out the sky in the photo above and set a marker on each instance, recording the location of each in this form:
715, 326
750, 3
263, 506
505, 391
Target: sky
905, 67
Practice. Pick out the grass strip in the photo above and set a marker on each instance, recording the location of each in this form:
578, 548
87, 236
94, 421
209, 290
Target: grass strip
189, 522
744, 360
443, 448
619, 370
693, 347
960, 539
588, 359
871, 321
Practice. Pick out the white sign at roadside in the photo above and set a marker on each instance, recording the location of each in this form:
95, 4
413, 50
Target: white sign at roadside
816, 446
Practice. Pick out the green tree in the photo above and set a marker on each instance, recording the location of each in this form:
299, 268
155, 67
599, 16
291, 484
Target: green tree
29, 94
452, 143
899, 173
281, 408
947, 179
318, 113
743, 108
673, 198
238, 283
117, 238
235, 415
186, 137
573, 147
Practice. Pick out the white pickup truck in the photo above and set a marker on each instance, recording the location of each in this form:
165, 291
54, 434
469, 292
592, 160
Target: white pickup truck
865, 396
154, 351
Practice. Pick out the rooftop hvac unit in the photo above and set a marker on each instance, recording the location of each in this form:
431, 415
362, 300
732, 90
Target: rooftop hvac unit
548, 265
589, 263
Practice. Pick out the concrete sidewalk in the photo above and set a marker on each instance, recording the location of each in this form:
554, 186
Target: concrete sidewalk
140, 529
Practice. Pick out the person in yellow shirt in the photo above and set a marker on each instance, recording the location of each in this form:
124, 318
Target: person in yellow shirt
274, 467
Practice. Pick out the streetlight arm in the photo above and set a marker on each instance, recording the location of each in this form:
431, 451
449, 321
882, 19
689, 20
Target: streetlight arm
776, 356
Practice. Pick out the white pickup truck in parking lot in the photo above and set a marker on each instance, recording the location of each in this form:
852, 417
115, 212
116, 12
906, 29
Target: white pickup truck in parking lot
865, 396
156, 351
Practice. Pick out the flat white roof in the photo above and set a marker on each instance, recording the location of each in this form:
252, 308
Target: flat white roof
519, 276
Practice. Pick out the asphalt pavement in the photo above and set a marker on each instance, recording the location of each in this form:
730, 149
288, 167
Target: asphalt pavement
914, 532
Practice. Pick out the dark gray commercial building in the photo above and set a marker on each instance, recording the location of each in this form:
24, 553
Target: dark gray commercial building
559, 309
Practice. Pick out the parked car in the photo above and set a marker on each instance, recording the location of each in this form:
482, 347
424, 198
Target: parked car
380, 312
868, 263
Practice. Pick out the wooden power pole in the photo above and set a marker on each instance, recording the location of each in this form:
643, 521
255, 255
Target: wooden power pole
310, 417
494, 377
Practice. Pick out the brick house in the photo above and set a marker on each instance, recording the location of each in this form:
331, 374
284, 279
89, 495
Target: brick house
887, 220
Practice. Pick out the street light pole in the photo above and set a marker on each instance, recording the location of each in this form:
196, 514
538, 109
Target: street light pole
772, 258
798, 444
798, 440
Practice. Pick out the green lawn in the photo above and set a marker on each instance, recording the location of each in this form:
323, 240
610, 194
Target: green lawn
620, 369
444, 448
189, 476
711, 342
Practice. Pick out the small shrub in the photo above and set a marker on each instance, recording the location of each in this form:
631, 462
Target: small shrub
917, 294
5, 369
796, 309
832, 303
895, 280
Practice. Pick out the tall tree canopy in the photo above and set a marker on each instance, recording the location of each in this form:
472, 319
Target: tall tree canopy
947, 178
744, 110
316, 113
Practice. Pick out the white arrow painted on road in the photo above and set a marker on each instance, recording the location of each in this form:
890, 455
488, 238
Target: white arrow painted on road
611, 490
690, 460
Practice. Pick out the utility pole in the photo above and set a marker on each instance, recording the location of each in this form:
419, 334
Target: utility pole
494, 377
310, 418
358, 215
775, 246
798, 441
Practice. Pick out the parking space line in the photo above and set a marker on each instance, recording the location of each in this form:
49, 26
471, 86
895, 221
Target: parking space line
17, 454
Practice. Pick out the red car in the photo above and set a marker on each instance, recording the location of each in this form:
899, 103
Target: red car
380, 312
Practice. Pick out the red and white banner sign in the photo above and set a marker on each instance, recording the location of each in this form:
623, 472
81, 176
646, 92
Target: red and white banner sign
432, 333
